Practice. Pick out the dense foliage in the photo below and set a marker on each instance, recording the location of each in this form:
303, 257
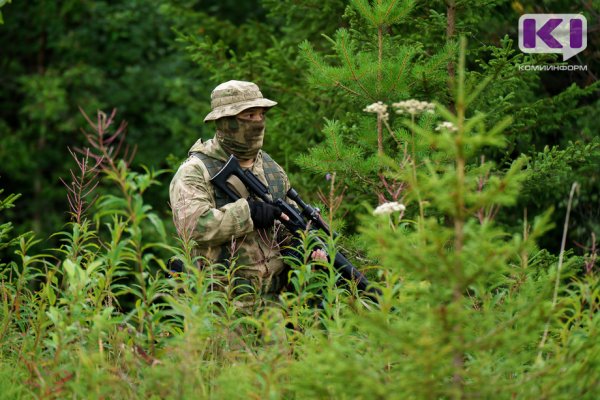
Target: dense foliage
475, 210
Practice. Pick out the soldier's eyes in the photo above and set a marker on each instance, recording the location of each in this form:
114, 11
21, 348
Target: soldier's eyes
252, 114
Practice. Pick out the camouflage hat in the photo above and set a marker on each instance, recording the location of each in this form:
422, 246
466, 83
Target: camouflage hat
233, 97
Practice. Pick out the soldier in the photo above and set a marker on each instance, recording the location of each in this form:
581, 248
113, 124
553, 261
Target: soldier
245, 232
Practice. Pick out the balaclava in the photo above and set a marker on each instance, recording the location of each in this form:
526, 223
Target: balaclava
240, 137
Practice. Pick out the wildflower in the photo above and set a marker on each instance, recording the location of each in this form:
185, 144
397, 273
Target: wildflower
449, 126
328, 176
389, 208
378, 108
413, 107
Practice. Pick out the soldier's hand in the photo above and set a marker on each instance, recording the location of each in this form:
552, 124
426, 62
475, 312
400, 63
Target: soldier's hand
263, 214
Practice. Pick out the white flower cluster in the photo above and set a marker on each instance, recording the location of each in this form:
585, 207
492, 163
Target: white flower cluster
378, 108
449, 126
413, 107
389, 208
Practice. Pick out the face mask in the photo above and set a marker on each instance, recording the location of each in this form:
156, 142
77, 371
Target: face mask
239, 137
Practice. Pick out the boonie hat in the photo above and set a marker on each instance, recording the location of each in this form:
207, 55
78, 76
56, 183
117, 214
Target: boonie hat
233, 97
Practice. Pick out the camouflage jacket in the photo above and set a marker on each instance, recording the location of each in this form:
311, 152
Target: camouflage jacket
226, 235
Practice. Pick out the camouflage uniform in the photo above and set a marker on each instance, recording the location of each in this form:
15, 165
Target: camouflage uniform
223, 230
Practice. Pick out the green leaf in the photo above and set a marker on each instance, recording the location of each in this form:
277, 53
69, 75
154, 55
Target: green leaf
69, 268
50, 294
158, 225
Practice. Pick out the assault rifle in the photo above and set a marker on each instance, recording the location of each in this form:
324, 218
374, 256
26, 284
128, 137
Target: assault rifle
299, 221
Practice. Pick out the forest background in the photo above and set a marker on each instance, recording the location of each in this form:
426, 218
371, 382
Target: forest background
156, 62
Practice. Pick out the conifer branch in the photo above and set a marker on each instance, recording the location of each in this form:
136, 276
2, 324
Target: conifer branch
318, 65
350, 65
379, 83
340, 84
389, 10
401, 70
362, 7
379, 56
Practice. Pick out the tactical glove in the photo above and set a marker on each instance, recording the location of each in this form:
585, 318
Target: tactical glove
263, 214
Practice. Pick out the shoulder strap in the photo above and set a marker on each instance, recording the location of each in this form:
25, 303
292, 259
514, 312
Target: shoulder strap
213, 166
274, 175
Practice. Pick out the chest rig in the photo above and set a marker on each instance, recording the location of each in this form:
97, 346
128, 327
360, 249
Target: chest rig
273, 175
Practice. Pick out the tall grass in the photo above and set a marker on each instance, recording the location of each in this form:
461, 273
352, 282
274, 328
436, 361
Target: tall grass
463, 306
